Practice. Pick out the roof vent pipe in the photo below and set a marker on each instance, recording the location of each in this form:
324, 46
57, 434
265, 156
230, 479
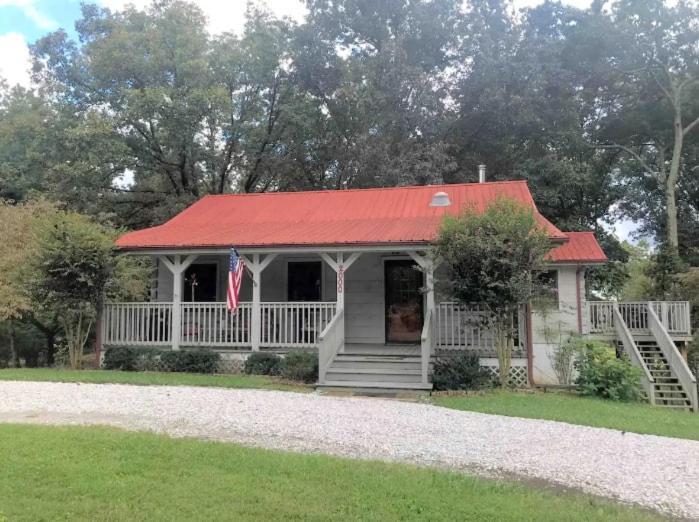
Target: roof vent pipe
481, 173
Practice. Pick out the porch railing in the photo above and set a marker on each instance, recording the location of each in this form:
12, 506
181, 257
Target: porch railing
673, 315
459, 327
294, 324
284, 324
211, 324
146, 324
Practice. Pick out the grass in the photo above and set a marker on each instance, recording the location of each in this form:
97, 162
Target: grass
71, 473
586, 411
146, 378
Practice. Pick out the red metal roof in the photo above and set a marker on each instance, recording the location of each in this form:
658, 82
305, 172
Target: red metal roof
331, 217
580, 247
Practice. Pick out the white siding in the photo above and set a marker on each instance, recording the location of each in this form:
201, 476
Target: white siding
555, 325
364, 301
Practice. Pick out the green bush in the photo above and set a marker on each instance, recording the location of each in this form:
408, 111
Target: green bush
120, 358
461, 371
132, 359
199, 361
261, 363
300, 366
601, 373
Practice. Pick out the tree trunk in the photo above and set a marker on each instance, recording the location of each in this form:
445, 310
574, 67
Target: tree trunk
14, 356
671, 184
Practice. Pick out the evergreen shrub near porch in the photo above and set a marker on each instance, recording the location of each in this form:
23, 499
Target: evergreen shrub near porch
263, 363
127, 358
460, 371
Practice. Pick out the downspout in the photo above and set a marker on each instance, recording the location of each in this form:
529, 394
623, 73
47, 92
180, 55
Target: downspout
530, 346
579, 298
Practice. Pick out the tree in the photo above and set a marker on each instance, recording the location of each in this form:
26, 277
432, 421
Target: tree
189, 114
74, 269
645, 85
493, 258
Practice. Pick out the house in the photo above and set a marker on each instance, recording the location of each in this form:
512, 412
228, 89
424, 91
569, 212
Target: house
348, 273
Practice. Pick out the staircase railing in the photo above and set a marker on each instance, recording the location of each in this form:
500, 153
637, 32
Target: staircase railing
330, 342
674, 358
624, 335
426, 346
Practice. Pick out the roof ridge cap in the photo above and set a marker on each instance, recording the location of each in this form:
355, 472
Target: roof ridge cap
368, 189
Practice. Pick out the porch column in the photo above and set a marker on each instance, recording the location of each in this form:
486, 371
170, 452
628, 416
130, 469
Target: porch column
177, 266
427, 265
340, 265
256, 265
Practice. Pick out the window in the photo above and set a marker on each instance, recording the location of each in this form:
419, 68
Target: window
200, 281
549, 280
304, 280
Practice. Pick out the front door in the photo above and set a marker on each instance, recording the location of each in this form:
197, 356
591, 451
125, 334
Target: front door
403, 282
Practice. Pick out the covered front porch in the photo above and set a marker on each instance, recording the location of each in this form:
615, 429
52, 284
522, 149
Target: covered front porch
362, 304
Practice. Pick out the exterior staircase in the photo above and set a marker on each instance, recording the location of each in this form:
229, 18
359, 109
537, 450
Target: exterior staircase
666, 379
668, 390
375, 368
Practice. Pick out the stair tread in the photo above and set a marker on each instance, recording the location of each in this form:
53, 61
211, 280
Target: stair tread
376, 371
376, 384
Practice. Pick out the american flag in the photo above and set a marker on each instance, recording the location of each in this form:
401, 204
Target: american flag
235, 278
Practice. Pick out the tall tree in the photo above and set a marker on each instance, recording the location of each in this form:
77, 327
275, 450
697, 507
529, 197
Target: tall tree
645, 60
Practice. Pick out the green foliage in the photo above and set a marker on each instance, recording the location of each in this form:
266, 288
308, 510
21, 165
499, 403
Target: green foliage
150, 378
461, 371
194, 361
300, 366
185, 479
130, 359
120, 358
127, 358
492, 258
263, 363
601, 373
634, 417
565, 356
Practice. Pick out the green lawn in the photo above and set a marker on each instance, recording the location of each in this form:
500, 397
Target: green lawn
69, 473
566, 407
144, 378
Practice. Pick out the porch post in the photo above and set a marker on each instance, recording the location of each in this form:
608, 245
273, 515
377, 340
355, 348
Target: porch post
340, 267
177, 266
427, 265
256, 265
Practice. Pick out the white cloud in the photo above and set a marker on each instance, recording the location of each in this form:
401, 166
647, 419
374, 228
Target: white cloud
30, 11
227, 15
14, 59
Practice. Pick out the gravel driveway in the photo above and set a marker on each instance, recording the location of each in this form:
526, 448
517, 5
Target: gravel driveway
656, 472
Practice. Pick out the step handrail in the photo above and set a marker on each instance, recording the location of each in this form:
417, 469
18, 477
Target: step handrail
674, 358
330, 341
426, 347
624, 335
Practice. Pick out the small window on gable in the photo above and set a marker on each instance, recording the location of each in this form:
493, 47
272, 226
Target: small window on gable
549, 280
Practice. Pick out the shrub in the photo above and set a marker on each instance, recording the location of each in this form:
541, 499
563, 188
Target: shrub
564, 358
199, 361
260, 363
461, 371
601, 373
120, 358
300, 366
148, 360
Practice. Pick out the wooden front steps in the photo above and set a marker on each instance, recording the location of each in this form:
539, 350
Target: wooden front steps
375, 367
